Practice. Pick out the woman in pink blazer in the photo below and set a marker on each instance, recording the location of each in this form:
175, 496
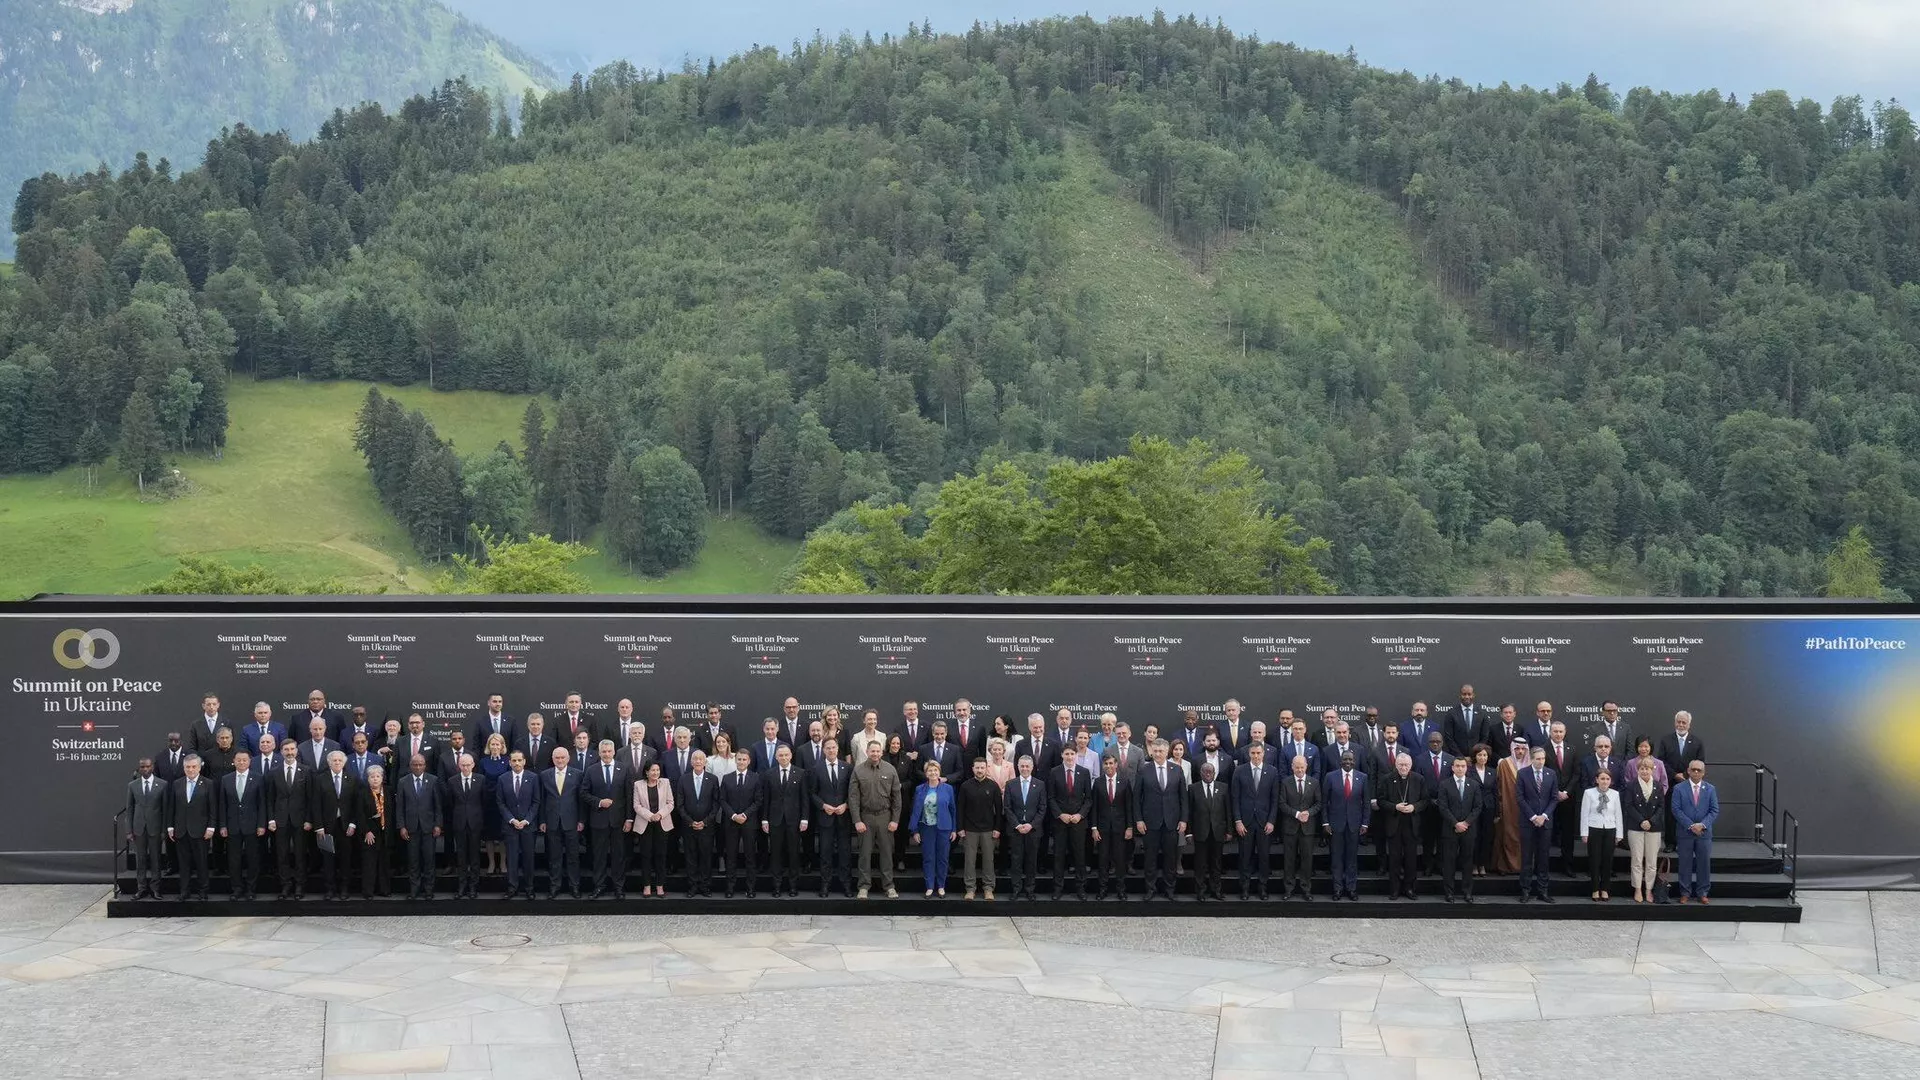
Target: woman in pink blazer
652, 826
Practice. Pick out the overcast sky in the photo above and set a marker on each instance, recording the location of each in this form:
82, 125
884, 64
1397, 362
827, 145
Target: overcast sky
1810, 49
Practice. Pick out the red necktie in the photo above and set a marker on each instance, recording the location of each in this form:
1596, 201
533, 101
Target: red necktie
1436, 768
1349, 785
1069, 781
1112, 794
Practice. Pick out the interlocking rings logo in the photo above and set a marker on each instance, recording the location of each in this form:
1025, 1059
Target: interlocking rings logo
95, 649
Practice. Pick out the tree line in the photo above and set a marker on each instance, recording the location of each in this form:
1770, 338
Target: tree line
1669, 338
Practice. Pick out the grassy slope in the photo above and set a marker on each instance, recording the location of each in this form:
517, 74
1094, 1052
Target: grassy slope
290, 494
1330, 254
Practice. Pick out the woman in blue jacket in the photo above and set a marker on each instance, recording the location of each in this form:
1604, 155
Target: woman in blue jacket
934, 822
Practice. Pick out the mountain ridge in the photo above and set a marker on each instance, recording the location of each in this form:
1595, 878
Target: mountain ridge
89, 81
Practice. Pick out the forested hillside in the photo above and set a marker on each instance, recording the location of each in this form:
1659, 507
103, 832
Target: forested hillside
1457, 330
87, 81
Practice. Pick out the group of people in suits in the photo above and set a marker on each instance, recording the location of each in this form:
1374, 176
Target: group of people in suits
606, 799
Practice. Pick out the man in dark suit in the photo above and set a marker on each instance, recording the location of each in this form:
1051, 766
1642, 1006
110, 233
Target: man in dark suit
1458, 799
793, 729
1372, 734
1059, 736
1113, 813
1463, 723
1602, 760
1069, 800
1299, 807
705, 733
518, 794
912, 731
360, 758
1346, 796
1192, 734
1026, 823
827, 798
466, 817
147, 820
415, 742
783, 819
811, 749
1210, 753
262, 723
941, 751
335, 793
422, 816
357, 723
1539, 795
677, 761
1294, 743
492, 720
289, 819
762, 752
534, 741
1680, 747
637, 754
1617, 731
1256, 804
1160, 802
447, 764
562, 823
241, 812
696, 799
1256, 736
170, 764
1231, 728
302, 719
1414, 729
609, 799
1344, 744
1207, 815
1433, 765
617, 729
741, 796
194, 814
1502, 732
1564, 760
1540, 728
967, 733
200, 734
315, 747
570, 721
1032, 742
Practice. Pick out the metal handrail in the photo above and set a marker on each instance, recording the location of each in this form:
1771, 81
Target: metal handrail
1766, 797
119, 848
1790, 848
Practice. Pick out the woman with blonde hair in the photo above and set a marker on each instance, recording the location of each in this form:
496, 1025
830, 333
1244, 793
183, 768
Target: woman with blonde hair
493, 765
1644, 815
999, 769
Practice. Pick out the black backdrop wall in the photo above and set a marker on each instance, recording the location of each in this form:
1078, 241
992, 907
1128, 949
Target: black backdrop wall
1826, 694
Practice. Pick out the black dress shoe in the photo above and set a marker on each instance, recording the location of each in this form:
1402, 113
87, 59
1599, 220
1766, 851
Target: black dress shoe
1526, 898
1467, 899
1546, 898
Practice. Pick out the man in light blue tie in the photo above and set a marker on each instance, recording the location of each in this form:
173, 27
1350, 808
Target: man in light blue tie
193, 820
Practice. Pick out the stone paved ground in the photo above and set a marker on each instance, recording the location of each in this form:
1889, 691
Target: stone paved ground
850, 998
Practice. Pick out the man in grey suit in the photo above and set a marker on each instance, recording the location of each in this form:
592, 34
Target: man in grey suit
146, 827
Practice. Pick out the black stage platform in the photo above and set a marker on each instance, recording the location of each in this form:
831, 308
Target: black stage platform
1751, 883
